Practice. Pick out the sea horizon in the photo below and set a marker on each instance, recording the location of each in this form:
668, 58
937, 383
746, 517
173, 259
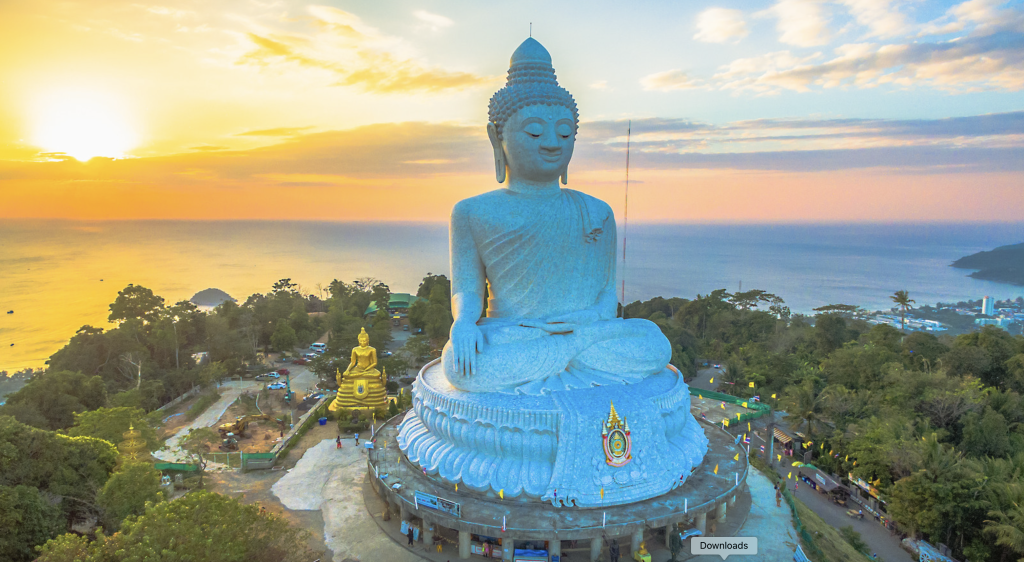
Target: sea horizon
60, 274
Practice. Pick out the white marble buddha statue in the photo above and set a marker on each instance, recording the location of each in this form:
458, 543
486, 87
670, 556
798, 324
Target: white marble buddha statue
544, 254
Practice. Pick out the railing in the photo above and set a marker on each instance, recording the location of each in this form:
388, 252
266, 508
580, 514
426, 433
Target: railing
758, 408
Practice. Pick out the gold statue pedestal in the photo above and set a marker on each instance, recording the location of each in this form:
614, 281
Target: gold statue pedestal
360, 392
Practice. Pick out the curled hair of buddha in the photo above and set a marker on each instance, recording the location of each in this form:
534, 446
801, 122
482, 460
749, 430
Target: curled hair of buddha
531, 81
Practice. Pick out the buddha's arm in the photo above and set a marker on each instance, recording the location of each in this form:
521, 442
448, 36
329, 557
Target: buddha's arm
352, 362
606, 305
468, 284
373, 359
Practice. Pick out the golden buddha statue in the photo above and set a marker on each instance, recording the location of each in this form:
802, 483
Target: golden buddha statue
362, 385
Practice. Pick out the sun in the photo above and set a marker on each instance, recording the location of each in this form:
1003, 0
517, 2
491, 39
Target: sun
83, 124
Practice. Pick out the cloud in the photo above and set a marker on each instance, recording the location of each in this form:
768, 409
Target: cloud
600, 85
984, 15
434, 21
802, 23
355, 54
992, 62
719, 25
880, 16
278, 132
669, 80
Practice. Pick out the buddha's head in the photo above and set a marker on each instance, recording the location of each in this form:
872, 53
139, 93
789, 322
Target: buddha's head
363, 338
532, 120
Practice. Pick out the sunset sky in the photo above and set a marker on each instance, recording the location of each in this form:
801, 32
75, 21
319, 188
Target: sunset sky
760, 111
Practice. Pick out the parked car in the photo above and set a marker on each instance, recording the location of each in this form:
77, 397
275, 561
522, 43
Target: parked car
386, 353
273, 375
298, 361
309, 356
277, 386
261, 377
319, 347
283, 372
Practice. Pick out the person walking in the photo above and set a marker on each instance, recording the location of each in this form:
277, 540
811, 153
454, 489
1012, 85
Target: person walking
778, 498
613, 548
409, 534
337, 442
357, 439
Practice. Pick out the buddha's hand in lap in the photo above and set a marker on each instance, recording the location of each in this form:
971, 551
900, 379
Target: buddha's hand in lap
563, 323
467, 340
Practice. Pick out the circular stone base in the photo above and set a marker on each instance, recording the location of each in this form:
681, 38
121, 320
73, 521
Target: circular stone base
396, 480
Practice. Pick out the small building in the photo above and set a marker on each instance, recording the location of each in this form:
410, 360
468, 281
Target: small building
398, 306
988, 306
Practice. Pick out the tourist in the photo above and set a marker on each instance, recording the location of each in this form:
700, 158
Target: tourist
357, 439
338, 442
409, 534
778, 497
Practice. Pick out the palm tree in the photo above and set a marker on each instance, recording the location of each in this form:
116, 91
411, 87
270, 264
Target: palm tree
804, 404
1007, 524
902, 300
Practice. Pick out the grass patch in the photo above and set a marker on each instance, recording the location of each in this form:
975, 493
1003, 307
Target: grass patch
205, 401
821, 542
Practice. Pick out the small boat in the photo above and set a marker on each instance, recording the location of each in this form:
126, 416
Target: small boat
10, 312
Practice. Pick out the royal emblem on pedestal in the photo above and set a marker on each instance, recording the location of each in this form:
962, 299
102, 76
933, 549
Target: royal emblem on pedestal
617, 443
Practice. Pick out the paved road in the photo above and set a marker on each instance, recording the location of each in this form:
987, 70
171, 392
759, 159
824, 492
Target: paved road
704, 376
877, 537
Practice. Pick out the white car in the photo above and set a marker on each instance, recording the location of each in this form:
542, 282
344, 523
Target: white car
310, 356
274, 375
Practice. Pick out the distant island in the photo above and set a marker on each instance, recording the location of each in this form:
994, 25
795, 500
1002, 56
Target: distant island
1004, 264
210, 297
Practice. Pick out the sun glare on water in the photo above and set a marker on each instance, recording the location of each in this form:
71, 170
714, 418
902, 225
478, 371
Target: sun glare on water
83, 124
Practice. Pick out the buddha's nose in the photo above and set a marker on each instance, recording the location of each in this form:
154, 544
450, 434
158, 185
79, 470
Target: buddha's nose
549, 142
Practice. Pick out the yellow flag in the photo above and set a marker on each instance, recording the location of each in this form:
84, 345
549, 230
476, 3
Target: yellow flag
501, 493
854, 463
790, 475
737, 457
780, 457
751, 385
456, 486
745, 435
773, 396
701, 396
830, 452
726, 422
602, 493
744, 404
716, 469
712, 380
847, 458
822, 446
737, 417
748, 426
722, 405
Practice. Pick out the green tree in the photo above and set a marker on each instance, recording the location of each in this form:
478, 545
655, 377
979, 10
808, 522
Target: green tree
804, 404
136, 302
284, 338
197, 444
902, 300
27, 520
1007, 524
56, 396
986, 434
110, 423
127, 492
200, 527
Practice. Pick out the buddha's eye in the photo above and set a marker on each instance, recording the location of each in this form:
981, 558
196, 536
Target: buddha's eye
564, 130
534, 130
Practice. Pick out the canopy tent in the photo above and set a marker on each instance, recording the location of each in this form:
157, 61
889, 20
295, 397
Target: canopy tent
782, 437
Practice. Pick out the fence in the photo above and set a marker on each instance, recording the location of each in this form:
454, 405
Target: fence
195, 390
758, 408
258, 461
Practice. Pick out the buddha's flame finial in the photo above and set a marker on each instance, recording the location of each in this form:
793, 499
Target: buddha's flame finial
613, 420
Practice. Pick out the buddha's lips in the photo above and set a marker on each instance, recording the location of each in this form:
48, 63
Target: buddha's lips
551, 156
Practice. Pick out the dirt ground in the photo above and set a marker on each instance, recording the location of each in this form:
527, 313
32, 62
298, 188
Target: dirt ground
254, 486
261, 435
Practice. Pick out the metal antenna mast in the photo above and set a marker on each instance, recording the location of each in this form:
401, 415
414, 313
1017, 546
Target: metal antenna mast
625, 217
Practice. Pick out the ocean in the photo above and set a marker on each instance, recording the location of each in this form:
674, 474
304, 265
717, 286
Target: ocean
60, 275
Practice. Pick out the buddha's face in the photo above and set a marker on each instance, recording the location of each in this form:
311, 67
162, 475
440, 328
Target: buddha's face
538, 142
363, 340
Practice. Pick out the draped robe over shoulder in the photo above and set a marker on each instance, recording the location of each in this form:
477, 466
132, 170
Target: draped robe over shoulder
559, 259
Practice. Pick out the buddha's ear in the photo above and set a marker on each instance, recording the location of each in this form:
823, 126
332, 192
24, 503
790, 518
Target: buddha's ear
565, 175
499, 153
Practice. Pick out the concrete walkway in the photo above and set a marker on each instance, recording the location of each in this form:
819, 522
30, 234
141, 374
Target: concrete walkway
331, 480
